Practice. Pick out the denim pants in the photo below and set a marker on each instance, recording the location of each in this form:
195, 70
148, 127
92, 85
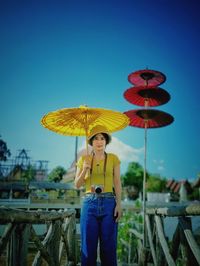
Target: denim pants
98, 224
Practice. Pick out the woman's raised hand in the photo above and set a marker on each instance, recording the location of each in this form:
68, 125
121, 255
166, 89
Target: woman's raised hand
87, 163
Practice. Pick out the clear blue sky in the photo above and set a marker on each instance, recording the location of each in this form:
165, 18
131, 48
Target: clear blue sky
59, 54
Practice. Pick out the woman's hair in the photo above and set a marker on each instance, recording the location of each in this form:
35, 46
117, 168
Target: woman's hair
105, 136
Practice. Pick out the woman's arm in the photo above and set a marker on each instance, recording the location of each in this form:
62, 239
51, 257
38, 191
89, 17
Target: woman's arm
80, 178
118, 191
81, 173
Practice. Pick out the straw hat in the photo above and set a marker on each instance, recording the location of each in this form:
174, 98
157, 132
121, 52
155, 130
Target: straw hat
96, 130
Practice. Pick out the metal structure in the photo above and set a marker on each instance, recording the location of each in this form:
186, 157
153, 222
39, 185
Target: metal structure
22, 161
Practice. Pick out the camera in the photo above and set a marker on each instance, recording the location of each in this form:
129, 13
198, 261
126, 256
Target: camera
97, 189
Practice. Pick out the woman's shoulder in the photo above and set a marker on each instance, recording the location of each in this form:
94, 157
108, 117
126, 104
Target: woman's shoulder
112, 155
84, 156
113, 158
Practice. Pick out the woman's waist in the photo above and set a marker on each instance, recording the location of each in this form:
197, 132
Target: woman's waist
102, 194
105, 184
99, 189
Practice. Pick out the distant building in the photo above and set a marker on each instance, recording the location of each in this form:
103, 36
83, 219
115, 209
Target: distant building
12, 170
41, 168
179, 189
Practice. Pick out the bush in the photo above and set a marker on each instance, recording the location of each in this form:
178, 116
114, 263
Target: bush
129, 220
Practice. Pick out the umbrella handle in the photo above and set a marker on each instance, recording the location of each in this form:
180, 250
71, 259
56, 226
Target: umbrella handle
86, 141
87, 152
144, 186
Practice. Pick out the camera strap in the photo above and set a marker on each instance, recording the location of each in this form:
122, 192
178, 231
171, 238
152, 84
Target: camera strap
104, 168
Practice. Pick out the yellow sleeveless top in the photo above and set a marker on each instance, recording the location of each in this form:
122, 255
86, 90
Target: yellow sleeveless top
96, 176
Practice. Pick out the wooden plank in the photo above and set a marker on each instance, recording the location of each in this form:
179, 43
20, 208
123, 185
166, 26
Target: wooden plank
186, 226
125, 243
41, 206
18, 246
8, 215
38, 257
12, 249
136, 233
159, 252
72, 241
163, 241
53, 247
63, 241
150, 237
23, 239
167, 211
5, 236
193, 209
175, 243
45, 254
177, 210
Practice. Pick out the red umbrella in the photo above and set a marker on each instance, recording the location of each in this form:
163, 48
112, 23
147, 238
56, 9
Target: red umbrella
147, 118
143, 96
146, 77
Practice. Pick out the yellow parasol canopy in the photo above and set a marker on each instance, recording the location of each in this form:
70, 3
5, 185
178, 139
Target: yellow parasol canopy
79, 121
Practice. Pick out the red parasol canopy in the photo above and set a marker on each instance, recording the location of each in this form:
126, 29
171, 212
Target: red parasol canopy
143, 96
146, 77
149, 118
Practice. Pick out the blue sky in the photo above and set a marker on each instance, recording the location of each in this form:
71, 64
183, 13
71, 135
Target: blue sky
59, 54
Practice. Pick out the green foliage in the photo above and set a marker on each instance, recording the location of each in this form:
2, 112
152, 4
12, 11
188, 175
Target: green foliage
134, 176
156, 184
195, 195
138, 204
56, 174
4, 151
129, 220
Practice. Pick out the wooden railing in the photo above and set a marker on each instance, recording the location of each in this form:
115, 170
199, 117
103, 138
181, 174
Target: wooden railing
56, 247
183, 249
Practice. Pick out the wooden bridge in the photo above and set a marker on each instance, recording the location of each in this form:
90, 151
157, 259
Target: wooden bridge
56, 247
59, 245
184, 249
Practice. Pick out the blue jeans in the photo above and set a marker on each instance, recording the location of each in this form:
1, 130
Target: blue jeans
98, 224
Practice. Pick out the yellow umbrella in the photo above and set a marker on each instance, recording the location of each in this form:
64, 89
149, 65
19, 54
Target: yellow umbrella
79, 121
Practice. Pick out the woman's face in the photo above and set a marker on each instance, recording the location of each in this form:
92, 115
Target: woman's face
99, 142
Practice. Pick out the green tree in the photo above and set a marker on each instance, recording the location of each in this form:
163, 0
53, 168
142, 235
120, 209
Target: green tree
133, 180
4, 151
134, 176
56, 174
155, 183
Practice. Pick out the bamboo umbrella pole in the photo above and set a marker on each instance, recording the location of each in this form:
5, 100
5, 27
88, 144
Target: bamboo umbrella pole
144, 185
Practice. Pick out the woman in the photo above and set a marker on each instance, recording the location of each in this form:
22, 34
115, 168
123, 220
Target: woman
101, 210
